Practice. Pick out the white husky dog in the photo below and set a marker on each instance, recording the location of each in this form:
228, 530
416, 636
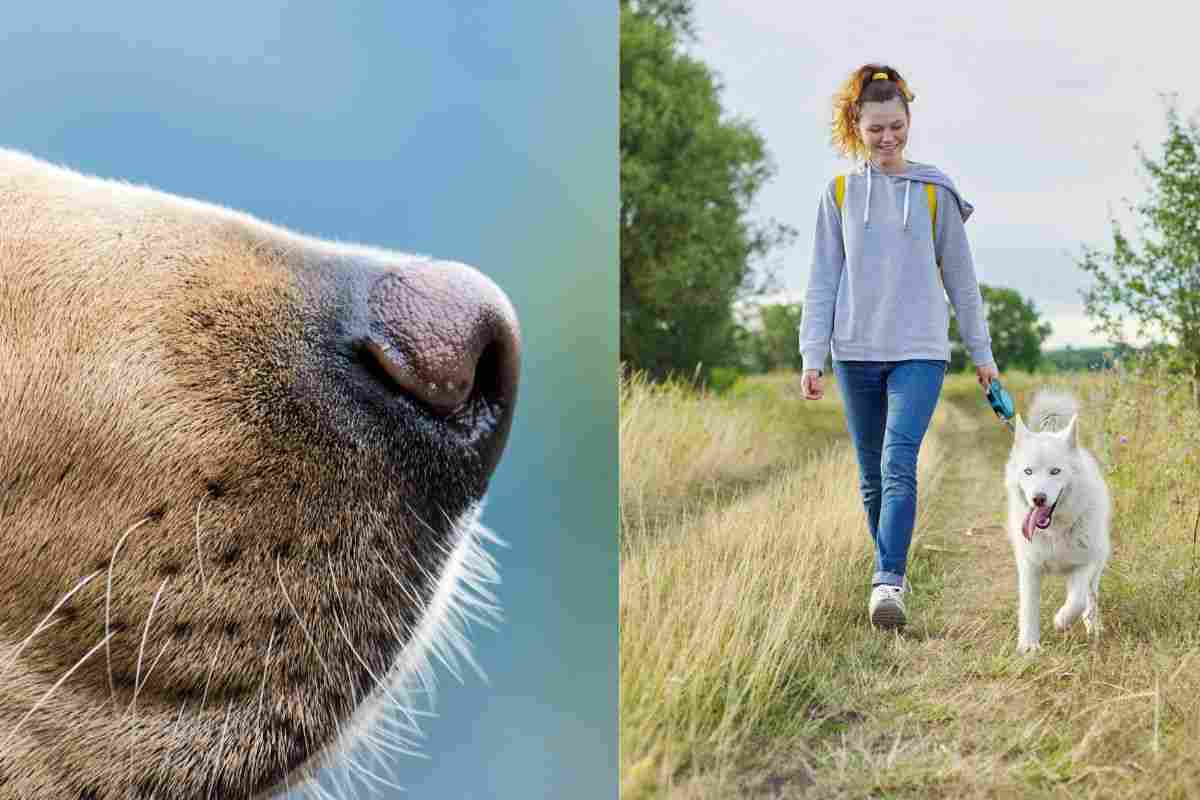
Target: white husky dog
1058, 515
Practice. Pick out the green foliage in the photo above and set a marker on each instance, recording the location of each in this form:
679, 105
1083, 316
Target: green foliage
1016, 329
774, 344
688, 178
674, 15
1084, 359
1157, 284
721, 379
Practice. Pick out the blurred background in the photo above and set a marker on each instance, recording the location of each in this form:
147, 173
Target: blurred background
477, 132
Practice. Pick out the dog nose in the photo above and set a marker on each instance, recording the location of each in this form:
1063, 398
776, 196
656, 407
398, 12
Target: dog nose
1039, 499
445, 334
442, 330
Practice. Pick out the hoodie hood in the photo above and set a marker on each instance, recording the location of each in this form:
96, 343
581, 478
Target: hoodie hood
921, 173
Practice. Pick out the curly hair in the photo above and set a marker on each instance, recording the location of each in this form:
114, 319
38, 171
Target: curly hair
861, 87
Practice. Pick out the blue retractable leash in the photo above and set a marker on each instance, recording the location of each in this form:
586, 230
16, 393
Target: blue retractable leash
1002, 403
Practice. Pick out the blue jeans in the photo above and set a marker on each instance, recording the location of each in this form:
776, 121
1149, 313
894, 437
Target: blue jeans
888, 408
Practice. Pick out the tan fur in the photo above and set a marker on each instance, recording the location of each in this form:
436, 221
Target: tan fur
154, 354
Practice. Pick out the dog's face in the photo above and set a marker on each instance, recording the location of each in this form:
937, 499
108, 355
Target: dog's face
1040, 469
240, 471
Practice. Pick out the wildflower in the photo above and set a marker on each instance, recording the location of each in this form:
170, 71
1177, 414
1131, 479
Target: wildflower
1124, 439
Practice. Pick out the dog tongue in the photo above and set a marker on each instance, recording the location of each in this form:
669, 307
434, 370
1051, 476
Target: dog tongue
1039, 518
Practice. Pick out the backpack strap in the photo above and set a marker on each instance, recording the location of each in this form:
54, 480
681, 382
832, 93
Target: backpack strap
931, 196
839, 190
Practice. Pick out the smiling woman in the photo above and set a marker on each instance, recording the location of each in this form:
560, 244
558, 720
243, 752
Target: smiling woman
882, 268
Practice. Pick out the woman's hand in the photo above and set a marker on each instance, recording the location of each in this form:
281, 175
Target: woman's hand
810, 385
985, 374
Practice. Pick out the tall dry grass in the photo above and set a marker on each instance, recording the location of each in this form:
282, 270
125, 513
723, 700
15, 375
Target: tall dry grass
678, 443
729, 610
742, 624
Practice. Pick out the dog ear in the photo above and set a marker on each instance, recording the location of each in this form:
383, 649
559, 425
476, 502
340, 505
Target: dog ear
1071, 432
1019, 428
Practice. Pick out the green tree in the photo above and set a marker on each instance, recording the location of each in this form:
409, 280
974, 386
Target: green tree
1158, 283
688, 178
1015, 326
774, 344
1071, 359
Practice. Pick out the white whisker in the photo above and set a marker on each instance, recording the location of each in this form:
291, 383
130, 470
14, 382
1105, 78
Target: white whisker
208, 681
337, 624
381, 741
300, 619
154, 663
321, 793
262, 691
112, 690
50, 691
137, 680
375, 777
220, 752
45, 623
199, 557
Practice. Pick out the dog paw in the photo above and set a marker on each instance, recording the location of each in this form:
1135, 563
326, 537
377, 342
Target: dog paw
1028, 647
1062, 621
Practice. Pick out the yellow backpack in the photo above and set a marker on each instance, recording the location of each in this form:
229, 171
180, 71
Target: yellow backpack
839, 193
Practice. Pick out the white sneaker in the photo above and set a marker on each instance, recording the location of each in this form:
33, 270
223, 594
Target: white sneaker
887, 606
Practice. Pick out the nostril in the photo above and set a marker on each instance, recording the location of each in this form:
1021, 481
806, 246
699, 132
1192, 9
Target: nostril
489, 378
444, 334
1039, 499
442, 390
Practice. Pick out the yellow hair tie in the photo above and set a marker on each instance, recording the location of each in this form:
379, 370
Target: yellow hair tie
880, 76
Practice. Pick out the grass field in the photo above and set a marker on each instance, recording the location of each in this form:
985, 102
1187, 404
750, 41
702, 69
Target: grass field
747, 664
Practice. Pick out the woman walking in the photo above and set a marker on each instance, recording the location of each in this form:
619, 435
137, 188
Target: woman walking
889, 236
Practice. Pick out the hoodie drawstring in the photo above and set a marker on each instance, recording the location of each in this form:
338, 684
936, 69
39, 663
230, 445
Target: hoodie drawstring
907, 185
867, 211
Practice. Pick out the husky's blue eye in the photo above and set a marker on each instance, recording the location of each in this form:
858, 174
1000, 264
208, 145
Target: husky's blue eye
1055, 470
1028, 471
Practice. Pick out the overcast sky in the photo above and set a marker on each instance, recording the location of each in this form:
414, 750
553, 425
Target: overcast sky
1033, 109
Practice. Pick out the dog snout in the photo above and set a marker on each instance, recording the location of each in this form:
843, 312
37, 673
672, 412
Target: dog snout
1039, 499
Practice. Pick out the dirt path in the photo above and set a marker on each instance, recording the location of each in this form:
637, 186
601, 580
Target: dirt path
964, 523
940, 709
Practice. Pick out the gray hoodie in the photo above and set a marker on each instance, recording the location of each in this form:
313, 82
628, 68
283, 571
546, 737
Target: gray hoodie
874, 293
